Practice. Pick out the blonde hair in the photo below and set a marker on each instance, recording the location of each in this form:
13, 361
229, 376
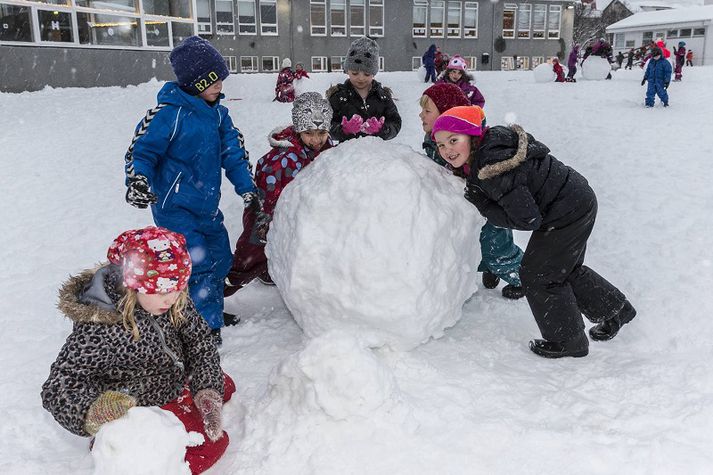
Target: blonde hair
422, 101
127, 305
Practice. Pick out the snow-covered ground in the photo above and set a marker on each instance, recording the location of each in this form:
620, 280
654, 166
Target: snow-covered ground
474, 401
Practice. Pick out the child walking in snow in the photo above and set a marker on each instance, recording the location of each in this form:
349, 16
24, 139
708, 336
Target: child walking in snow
138, 340
516, 183
361, 105
284, 89
689, 58
457, 73
174, 164
293, 148
680, 54
500, 256
658, 74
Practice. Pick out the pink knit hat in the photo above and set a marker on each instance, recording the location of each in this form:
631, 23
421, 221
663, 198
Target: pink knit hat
457, 62
468, 120
153, 260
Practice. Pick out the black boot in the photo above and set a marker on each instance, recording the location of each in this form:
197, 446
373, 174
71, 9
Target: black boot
229, 319
265, 279
609, 328
490, 280
217, 339
576, 347
513, 292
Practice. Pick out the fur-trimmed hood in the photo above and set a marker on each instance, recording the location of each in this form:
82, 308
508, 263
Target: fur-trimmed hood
91, 296
283, 136
505, 148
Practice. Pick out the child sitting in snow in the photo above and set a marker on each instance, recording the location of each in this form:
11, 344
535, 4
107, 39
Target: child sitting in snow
138, 340
293, 148
500, 256
557, 68
174, 164
284, 89
361, 105
515, 183
457, 73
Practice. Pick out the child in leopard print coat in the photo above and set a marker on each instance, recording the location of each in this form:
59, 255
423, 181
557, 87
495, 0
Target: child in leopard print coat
137, 340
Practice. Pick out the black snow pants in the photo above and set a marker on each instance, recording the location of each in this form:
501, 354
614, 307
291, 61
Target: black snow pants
559, 288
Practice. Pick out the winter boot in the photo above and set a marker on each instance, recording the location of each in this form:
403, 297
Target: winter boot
609, 328
490, 280
513, 292
576, 347
265, 279
228, 288
229, 319
217, 339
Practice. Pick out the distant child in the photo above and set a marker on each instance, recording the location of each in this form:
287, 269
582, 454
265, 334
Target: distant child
293, 148
557, 68
174, 164
361, 105
500, 256
429, 63
515, 183
689, 58
680, 54
658, 74
457, 73
137, 340
284, 89
572, 63
629, 59
300, 72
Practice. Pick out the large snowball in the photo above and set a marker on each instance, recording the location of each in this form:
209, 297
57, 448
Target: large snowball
544, 73
376, 239
303, 85
146, 441
595, 68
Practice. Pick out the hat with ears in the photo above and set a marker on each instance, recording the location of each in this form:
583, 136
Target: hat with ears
468, 120
311, 111
363, 56
153, 260
197, 65
286, 63
446, 95
457, 62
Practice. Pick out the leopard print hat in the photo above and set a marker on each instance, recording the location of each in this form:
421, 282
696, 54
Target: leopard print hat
311, 111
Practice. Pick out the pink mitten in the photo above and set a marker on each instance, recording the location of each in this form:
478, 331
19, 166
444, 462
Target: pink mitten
210, 406
353, 125
372, 125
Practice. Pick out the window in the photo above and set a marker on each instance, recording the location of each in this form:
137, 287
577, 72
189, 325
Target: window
420, 13
232, 63
381, 63
376, 17
128, 6
224, 17
268, 17
318, 18
648, 37
672, 34
357, 17
472, 62
415, 63
524, 19
630, 43
270, 64
509, 20
319, 64
537, 60
338, 17
181, 31
55, 26
248, 64
684, 33
470, 20
553, 22
246, 17
699, 32
538, 21
454, 19
15, 23
507, 63
619, 40
203, 16
113, 30
438, 12
157, 33
174, 8
336, 63
522, 62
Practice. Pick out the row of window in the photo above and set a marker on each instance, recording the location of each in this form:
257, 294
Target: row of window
471, 61
445, 19
512, 63
620, 40
525, 21
248, 12
318, 64
346, 17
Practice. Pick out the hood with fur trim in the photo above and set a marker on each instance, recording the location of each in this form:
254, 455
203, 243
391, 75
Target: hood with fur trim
284, 137
503, 149
91, 296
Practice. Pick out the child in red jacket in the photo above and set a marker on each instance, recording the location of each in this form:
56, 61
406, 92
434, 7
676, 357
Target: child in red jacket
557, 68
293, 148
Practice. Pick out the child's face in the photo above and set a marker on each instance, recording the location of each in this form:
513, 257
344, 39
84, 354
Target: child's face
298, 67
429, 114
455, 75
213, 92
314, 138
157, 304
360, 80
453, 148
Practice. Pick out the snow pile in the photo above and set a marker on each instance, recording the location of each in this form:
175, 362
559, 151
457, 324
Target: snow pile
146, 441
376, 239
303, 85
595, 68
544, 73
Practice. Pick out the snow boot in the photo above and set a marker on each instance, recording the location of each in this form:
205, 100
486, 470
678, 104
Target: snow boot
609, 328
230, 319
265, 279
217, 339
513, 292
490, 280
575, 347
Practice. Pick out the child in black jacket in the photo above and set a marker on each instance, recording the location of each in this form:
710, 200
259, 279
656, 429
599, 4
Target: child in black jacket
515, 183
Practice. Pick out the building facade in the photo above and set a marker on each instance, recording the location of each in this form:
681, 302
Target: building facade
118, 42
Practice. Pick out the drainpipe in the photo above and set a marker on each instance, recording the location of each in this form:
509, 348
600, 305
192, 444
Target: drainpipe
292, 34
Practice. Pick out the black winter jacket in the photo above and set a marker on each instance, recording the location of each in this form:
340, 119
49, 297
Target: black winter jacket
101, 355
515, 183
346, 102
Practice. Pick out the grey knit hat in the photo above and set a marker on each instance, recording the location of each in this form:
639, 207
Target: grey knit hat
363, 56
311, 111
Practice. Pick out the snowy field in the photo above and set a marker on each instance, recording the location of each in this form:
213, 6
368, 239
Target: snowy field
474, 401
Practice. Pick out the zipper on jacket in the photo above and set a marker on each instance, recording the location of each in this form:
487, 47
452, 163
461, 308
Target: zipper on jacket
173, 189
176, 360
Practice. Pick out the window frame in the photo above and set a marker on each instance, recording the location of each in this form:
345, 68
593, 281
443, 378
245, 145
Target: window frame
382, 63
415, 59
225, 23
375, 30
246, 25
509, 33
207, 26
507, 63
324, 64
339, 60
467, 6
265, 24
254, 68
524, 8
433, 31
275, 64
449, 9
420, 6
232, 63
352, 15
554, 34
472, 62
314, 5
535, 31
698, 32
341, 26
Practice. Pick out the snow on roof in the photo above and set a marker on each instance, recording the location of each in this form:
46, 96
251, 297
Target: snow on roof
639, 5
665, 17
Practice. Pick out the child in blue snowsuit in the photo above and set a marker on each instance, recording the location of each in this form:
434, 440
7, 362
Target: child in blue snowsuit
174, 164
429, 62
658, 74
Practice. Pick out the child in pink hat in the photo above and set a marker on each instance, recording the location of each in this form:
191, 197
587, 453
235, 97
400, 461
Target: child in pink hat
457, 73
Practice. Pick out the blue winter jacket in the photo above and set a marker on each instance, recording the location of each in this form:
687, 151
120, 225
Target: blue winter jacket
429, 57
658, 71
181, 147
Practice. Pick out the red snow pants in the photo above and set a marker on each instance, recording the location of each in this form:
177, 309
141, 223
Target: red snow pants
249, 260
203, 456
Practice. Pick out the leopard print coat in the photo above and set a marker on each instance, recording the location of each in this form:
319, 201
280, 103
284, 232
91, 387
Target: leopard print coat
101, 355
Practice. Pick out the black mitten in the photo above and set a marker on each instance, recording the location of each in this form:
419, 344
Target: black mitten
138, 193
